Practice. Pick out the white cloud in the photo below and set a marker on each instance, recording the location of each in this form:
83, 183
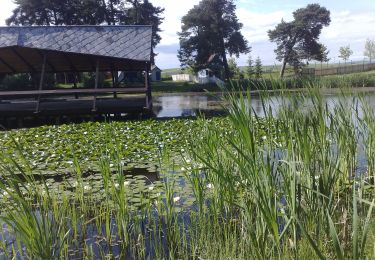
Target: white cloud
256, 25
347, 27
174, 11
6, 9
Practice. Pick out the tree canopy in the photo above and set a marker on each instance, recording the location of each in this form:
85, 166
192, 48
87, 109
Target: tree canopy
211, 29
297, 41
345, 52
370, 49
89, 12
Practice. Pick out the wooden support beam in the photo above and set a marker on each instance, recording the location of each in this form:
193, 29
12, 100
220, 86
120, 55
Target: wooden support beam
70, 63
41, 81
114, 83
41, 54
31, 67
148, 87
94, 108
75, 76
7, 65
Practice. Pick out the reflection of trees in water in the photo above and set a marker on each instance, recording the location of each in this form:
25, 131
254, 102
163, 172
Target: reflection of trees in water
188, 112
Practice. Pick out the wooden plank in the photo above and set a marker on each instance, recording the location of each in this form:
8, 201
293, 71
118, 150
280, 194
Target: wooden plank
41, 54
63, 92
8, 65
23, 60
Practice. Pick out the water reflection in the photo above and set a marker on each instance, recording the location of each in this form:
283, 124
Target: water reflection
186, 105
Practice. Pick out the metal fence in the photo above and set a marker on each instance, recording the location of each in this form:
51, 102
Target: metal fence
333, 70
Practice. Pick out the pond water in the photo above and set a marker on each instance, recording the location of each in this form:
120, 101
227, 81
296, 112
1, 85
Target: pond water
188, 105
140, 180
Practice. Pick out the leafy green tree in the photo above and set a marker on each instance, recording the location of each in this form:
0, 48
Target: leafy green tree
298, 40
211, 28
235, 72
258, 68
89, 12
345, 53
145, 13
369, 49
250, 68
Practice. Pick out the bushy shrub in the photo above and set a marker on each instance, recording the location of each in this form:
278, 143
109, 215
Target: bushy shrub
17, 82
88, 80
26, 81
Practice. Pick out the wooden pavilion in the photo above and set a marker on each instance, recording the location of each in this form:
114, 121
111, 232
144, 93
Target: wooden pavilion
74, 49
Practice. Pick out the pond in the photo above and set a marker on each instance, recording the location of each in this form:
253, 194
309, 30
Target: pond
192, 104
111, 196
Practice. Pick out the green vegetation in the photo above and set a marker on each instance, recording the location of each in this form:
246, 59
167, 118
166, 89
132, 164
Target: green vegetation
210, 31
176, 86
292, 184
297, 41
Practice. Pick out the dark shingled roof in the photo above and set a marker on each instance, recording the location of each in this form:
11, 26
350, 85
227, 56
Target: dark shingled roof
127, 42
109, 43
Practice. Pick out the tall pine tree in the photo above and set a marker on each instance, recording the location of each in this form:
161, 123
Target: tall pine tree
258, 68
211, 28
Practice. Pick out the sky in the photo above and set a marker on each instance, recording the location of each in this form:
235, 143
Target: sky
352, 23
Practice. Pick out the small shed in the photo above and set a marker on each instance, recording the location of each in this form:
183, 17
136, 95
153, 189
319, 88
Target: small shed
71, 49
155, 73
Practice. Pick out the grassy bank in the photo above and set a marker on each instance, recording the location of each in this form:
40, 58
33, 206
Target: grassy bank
295, 184
357, 80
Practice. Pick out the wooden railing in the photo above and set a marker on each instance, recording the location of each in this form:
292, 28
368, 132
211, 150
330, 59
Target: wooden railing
38, 94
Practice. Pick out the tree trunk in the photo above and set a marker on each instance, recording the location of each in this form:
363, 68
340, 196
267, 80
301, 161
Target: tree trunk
225, 61
282, 71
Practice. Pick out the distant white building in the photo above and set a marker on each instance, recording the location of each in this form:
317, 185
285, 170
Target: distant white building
207, 76
183, 77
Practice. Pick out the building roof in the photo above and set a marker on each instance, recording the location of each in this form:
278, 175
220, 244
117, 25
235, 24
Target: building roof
109, 44
154, 67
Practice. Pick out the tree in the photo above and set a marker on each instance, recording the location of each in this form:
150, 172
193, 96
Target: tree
89, 12
258, 68
211, 28
234, 70
250, 68
345, 53
369, 49
145, 13
298, 40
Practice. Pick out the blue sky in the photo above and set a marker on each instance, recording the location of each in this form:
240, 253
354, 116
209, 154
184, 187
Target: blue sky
352, 23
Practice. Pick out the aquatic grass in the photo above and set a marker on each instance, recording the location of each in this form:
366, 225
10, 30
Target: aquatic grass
283, 185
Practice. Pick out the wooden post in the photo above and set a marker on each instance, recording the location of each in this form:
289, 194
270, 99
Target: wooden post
75, 84
114, 83
96, 85
148, 88
41, 81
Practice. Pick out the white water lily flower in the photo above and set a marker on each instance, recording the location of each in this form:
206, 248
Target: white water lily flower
126, 183
183, 169
111, 165
264, 138
87, 187
317, 177
150, 187
176, 199
117, 185
210, 186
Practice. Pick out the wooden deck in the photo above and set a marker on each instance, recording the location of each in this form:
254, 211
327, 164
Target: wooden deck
61, 102
61, 107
